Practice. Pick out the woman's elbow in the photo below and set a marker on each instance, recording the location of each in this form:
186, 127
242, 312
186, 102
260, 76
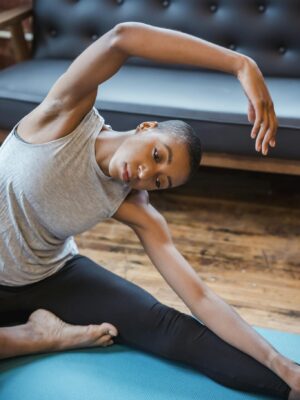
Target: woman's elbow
118, 35
122, 34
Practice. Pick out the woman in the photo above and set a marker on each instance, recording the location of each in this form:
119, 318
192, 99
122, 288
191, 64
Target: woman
72, 171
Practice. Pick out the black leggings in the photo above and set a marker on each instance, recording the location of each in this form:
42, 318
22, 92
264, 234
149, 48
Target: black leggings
84, 293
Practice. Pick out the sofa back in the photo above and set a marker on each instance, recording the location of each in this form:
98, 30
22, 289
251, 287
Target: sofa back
266, 30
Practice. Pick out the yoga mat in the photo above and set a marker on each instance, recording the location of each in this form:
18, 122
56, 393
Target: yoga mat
120, 373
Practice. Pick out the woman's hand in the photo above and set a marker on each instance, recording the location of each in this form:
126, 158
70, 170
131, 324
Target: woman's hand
261, 109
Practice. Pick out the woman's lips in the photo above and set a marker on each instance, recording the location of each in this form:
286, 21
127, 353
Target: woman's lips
125, 173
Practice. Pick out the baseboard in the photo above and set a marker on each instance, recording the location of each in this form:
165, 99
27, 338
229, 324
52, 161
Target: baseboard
260, 163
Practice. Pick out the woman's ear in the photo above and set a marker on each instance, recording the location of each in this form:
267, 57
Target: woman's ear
142, 127
106, 128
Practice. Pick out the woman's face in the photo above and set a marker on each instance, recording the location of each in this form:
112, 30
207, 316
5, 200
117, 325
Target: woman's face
150, 160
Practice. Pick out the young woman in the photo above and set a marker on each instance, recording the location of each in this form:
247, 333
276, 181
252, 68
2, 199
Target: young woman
62, 170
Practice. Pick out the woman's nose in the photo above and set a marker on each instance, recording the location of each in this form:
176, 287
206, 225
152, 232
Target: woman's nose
143, 172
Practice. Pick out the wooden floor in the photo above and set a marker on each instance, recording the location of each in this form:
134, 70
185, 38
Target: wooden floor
239, 230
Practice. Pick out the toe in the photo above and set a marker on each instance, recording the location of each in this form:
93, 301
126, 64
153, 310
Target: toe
107, 328
102, 333
103, 340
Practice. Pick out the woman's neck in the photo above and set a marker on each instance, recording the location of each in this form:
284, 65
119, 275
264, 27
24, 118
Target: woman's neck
107, 143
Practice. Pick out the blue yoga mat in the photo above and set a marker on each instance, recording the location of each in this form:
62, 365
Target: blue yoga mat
120, 372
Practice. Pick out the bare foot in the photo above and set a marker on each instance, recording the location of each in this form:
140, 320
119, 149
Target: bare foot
56, 334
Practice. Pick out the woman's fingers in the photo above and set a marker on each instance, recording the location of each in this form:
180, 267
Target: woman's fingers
258, 120
259, 139
251, 113
272, 141
260, 108
262, 129
269, 139
265, 127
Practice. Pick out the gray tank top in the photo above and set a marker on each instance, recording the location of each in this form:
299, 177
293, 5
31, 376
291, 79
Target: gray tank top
48, 193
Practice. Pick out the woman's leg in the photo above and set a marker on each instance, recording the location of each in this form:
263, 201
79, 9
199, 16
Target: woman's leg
86, 293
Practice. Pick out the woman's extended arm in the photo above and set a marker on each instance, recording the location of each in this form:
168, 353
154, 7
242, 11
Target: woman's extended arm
204, 303
209, 308
103, 58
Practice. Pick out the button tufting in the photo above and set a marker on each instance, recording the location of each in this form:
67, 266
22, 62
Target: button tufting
119, 2
261, 8
53, 32
232, 46
94, 36
213, 8
165, 3
281, 50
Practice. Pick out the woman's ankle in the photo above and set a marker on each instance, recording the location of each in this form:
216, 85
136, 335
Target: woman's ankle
21, 340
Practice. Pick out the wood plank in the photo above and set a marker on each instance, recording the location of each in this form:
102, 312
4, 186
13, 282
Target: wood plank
15, 15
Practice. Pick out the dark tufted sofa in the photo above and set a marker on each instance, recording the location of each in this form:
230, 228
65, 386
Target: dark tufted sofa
212, 102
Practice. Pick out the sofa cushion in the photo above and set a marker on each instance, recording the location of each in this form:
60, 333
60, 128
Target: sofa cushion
267, 31
213, 103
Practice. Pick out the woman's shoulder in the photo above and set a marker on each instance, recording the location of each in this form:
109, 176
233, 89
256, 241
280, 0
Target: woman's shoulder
133, 208
51, 121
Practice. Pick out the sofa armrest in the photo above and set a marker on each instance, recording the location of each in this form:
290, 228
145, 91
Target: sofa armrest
13, 20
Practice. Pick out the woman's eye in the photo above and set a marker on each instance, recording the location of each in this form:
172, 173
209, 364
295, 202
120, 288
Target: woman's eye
157, 182
156, 155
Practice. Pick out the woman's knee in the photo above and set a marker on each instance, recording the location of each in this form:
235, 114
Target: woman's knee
167, 331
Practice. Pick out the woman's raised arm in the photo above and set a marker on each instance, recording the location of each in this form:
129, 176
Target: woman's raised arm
165, 45
102, 59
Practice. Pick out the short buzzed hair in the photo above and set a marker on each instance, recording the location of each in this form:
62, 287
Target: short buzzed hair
186, 133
